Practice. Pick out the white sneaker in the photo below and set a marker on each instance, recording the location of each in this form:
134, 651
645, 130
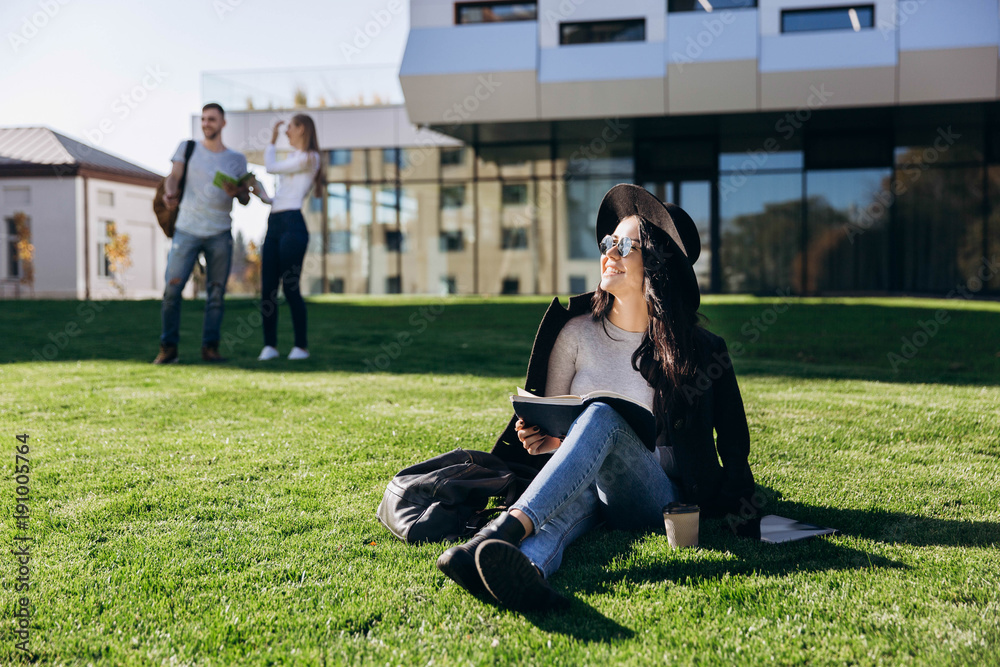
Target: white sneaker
298, 353
268, 353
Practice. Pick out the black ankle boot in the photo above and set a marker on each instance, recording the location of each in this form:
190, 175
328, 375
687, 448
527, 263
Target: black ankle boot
513, 580
459, 562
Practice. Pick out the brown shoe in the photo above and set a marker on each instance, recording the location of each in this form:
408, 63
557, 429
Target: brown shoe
210, 353
167, 355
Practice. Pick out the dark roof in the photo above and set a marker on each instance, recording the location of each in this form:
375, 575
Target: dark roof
33, 147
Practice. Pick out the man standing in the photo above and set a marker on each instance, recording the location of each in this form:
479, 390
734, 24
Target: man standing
204, 225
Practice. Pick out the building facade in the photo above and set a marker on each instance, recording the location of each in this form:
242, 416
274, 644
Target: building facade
72, 195
822, 147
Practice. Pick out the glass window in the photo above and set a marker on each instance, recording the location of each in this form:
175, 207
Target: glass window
394, 241
709, 5
340, 157
594, 32
511, 286
339, 242
452, 156
596, 157
760, 233
939, 224
105, 198
942, 144
696, 199
847, 229
853, 18
678, 155
315, 204
577, 284
451, 242
993, 229
514, 194
514, 238
337, 285
514, 161
491, 12
360, 205
390, 156
855, 149
456, 164
104, 264
452, 196
583, 198
449, 285
393, 285
752, 161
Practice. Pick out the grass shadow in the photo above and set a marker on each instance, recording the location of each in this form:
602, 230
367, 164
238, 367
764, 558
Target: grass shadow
492, 337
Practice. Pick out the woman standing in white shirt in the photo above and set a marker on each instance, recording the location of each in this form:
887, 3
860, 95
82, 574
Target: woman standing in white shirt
287, 237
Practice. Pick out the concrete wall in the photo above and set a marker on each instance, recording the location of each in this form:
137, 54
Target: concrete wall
919, 51
51, 207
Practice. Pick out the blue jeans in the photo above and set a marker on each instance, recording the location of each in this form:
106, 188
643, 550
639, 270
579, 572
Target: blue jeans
281, 262
184, 253
601, 472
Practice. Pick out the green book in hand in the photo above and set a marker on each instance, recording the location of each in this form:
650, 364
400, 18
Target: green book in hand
555, 414
221, 179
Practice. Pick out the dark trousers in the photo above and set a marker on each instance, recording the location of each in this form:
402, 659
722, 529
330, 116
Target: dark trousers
281, 262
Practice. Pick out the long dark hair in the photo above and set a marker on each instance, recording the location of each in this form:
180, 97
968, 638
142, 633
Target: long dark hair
666, 355
312, 147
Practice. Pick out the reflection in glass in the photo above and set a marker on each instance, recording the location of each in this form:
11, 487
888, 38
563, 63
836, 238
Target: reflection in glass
595, 32
491, 12
760, 234
759, 159
696, 200
939, 218
583, 198
587, 158
847, 237
993, 228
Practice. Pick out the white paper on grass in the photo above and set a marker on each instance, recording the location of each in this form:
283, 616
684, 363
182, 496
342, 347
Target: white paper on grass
775, 529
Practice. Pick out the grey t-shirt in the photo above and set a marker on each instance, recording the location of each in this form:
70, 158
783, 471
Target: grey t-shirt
205, 209
584, 359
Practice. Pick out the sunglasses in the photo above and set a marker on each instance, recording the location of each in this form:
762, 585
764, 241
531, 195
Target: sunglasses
624, 245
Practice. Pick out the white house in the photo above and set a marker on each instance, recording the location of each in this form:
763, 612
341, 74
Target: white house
71, 192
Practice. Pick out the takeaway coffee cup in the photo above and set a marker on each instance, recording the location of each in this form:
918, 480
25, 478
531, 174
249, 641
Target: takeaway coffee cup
681, 522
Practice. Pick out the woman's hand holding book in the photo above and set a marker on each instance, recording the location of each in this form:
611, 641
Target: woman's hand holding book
534, 440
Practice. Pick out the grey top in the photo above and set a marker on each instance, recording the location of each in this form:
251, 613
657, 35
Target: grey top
585, 359
205, 209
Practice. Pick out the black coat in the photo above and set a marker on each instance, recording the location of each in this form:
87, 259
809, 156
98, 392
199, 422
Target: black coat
713, 402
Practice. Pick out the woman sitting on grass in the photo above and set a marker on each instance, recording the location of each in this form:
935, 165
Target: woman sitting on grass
637, 335
287, 236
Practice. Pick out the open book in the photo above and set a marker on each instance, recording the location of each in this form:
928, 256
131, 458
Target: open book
555, 414
221, 179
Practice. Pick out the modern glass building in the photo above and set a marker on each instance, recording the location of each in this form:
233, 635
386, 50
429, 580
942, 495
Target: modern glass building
821, 149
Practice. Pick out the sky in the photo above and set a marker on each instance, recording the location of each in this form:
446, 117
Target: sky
125, 76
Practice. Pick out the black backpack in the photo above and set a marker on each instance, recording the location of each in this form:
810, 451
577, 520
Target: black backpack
444, 498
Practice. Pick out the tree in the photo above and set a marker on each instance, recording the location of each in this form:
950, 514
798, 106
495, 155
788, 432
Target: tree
25, 250
251, 274
119, 256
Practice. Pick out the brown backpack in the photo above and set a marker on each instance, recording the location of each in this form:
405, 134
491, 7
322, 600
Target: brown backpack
168, 217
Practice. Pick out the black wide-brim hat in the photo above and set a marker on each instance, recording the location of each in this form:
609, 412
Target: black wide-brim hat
682, 237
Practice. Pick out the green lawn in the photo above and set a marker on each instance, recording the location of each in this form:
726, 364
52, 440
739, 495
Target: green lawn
225, 515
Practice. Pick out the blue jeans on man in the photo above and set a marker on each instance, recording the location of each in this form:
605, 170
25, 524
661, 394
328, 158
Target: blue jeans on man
218, 251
